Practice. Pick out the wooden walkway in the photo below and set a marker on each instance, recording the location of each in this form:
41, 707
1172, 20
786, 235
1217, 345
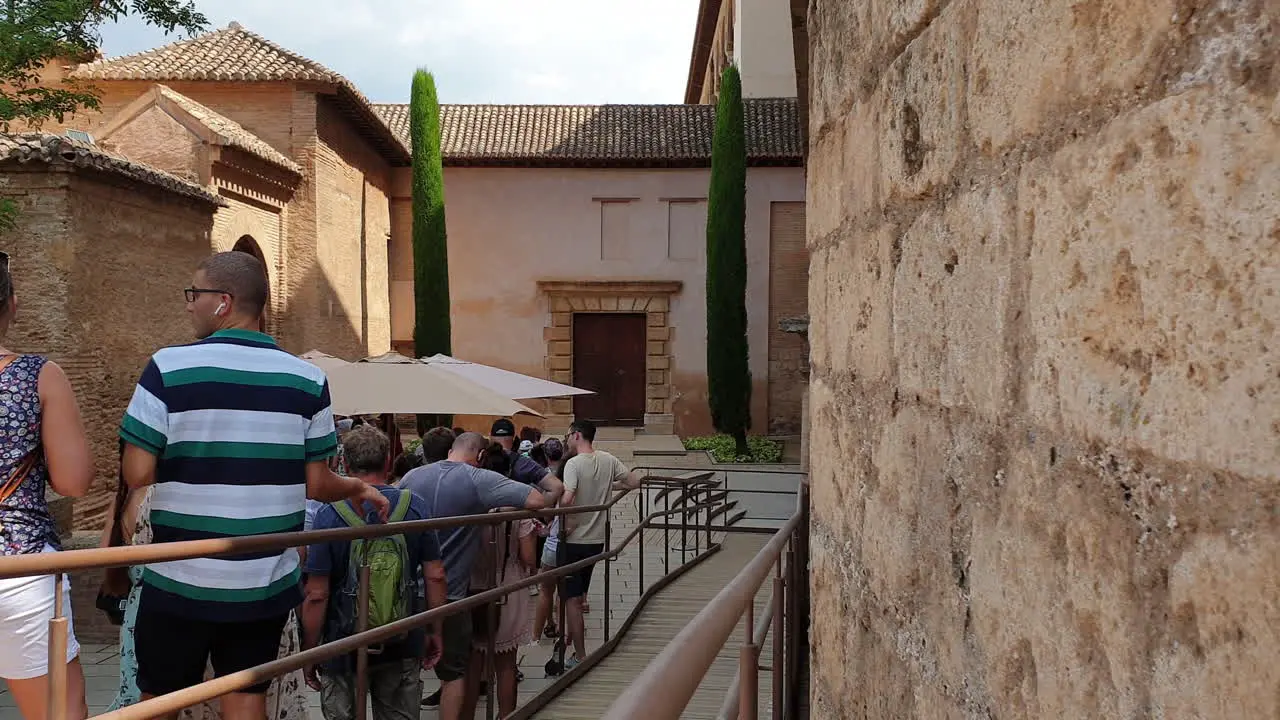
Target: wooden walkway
659, 622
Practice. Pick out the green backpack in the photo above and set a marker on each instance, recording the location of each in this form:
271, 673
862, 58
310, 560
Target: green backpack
391, 579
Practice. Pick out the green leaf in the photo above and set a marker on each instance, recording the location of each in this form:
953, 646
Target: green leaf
723, 449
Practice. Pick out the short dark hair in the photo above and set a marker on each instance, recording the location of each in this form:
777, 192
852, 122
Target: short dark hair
364, 449
240, 275
495, 458
436, 444
586, 427
405, 462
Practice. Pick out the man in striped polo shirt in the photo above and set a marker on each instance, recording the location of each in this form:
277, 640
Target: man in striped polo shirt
235, 434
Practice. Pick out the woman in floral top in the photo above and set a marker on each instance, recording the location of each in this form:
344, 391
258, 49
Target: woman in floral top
42, 443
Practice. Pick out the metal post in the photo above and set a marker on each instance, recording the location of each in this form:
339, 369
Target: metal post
608, 569
58, 632
792, 652
684, 531
709, 493
779, 609
666, 534
748, 668
491, 615
642, 539
362, 654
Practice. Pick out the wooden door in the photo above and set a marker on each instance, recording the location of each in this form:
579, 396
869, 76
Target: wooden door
609, 358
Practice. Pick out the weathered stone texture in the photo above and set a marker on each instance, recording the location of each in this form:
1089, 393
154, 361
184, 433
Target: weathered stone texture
1045, 413
82, 243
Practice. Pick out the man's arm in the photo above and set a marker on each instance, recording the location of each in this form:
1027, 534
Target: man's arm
497, 491
144, 429
437, 585
528, 471
314, 606
625, 478
570, 494
326, 486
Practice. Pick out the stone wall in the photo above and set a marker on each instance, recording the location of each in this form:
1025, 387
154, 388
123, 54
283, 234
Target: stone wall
99, 267
788, 298
1045, 416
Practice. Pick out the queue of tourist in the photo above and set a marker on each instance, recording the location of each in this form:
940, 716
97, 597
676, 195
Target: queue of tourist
232, 436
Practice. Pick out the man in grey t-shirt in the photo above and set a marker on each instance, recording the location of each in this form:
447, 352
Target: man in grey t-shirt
456, 486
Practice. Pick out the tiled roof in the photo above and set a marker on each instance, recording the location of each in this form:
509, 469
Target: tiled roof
228, 131
602, 135
57, 150
234, 54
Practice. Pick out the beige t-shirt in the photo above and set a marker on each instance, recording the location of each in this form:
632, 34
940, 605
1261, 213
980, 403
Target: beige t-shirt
590, 476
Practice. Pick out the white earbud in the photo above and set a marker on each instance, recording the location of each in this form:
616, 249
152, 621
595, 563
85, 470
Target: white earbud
221, 306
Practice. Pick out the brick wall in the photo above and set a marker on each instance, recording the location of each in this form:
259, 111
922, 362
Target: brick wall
99, 269
154, 138
788, 298
1045, 416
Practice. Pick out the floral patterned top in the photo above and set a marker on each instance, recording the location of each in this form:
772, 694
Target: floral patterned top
25, 523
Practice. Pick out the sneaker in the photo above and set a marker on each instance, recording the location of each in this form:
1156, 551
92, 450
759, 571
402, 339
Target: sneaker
571, 662
432, 700
533, 591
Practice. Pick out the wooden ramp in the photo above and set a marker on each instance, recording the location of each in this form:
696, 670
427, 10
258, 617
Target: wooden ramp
659, 622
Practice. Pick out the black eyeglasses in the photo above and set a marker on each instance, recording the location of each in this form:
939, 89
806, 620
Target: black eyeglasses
191, 292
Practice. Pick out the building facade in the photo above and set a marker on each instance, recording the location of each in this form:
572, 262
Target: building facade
754, 35
577, 243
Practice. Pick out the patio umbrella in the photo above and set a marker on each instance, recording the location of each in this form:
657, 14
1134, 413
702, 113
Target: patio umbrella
504, 382
393, 383
322, 360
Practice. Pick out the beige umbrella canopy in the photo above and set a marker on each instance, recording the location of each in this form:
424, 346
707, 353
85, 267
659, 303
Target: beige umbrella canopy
504, 382
393, 383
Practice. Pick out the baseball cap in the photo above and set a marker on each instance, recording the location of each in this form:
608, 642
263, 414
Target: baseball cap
526, 446
502, 427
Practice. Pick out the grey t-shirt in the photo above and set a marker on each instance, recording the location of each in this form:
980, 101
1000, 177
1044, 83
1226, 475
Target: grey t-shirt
452, 488
590, 477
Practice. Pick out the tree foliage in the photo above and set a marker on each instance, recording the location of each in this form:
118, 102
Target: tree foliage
431, 328
34, 32
728, 374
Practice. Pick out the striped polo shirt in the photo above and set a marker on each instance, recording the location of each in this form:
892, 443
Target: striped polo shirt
233, 421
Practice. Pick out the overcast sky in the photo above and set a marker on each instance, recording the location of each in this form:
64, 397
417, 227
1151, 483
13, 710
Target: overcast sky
481, 51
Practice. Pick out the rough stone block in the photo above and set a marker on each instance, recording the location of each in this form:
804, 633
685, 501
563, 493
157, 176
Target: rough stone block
657, 319
1153, 285
561, 319
655, 406
561, 304
564, 377
560, 347
656, 377
657, 348
853, 43
659, 304
850, 285
657, 391
1034, 63
561, 406
659, 333
655, 362
557, 333
952, 296
560, 362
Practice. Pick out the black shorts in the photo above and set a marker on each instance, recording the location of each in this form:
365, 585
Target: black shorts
459, 632
577, 584
173, 651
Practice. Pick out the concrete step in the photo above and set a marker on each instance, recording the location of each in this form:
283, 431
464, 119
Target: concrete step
657, 445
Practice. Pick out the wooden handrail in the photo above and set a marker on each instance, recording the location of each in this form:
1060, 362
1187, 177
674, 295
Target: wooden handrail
669, 681
173, 702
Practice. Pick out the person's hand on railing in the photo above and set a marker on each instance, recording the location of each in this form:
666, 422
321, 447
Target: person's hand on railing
311, 675
434, 650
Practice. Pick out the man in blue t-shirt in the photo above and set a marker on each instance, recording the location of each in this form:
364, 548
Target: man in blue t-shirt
395, 680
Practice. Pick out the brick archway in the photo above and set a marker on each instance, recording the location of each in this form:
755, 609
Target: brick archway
650, 297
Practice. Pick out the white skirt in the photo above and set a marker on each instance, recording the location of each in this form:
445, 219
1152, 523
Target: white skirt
26, 607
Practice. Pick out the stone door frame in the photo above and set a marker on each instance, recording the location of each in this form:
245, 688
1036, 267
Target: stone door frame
649, 297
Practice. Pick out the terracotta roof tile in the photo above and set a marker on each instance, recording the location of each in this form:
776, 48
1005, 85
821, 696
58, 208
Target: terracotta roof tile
58, 150
229, 131
661, 135
234, 54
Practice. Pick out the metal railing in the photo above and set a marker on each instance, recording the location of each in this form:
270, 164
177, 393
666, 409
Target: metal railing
668, 683
57, 564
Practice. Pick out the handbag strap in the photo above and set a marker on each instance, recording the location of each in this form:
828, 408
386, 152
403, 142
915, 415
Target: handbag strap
19, 474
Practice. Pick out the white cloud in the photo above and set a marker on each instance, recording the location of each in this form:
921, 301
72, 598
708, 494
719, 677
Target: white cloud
494, 51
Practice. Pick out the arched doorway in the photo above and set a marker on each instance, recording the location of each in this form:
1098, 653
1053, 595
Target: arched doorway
246, 244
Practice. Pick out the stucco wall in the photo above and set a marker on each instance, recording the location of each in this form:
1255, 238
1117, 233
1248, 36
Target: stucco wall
1045, 416
99, 268
509, 228
762, 48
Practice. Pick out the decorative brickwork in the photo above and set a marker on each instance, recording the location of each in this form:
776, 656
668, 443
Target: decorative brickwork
653, 298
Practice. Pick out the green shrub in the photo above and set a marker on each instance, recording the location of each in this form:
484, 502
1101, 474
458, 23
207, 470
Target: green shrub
723, 449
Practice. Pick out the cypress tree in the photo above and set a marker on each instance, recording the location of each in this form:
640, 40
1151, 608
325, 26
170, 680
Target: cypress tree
728, 375
431, 328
